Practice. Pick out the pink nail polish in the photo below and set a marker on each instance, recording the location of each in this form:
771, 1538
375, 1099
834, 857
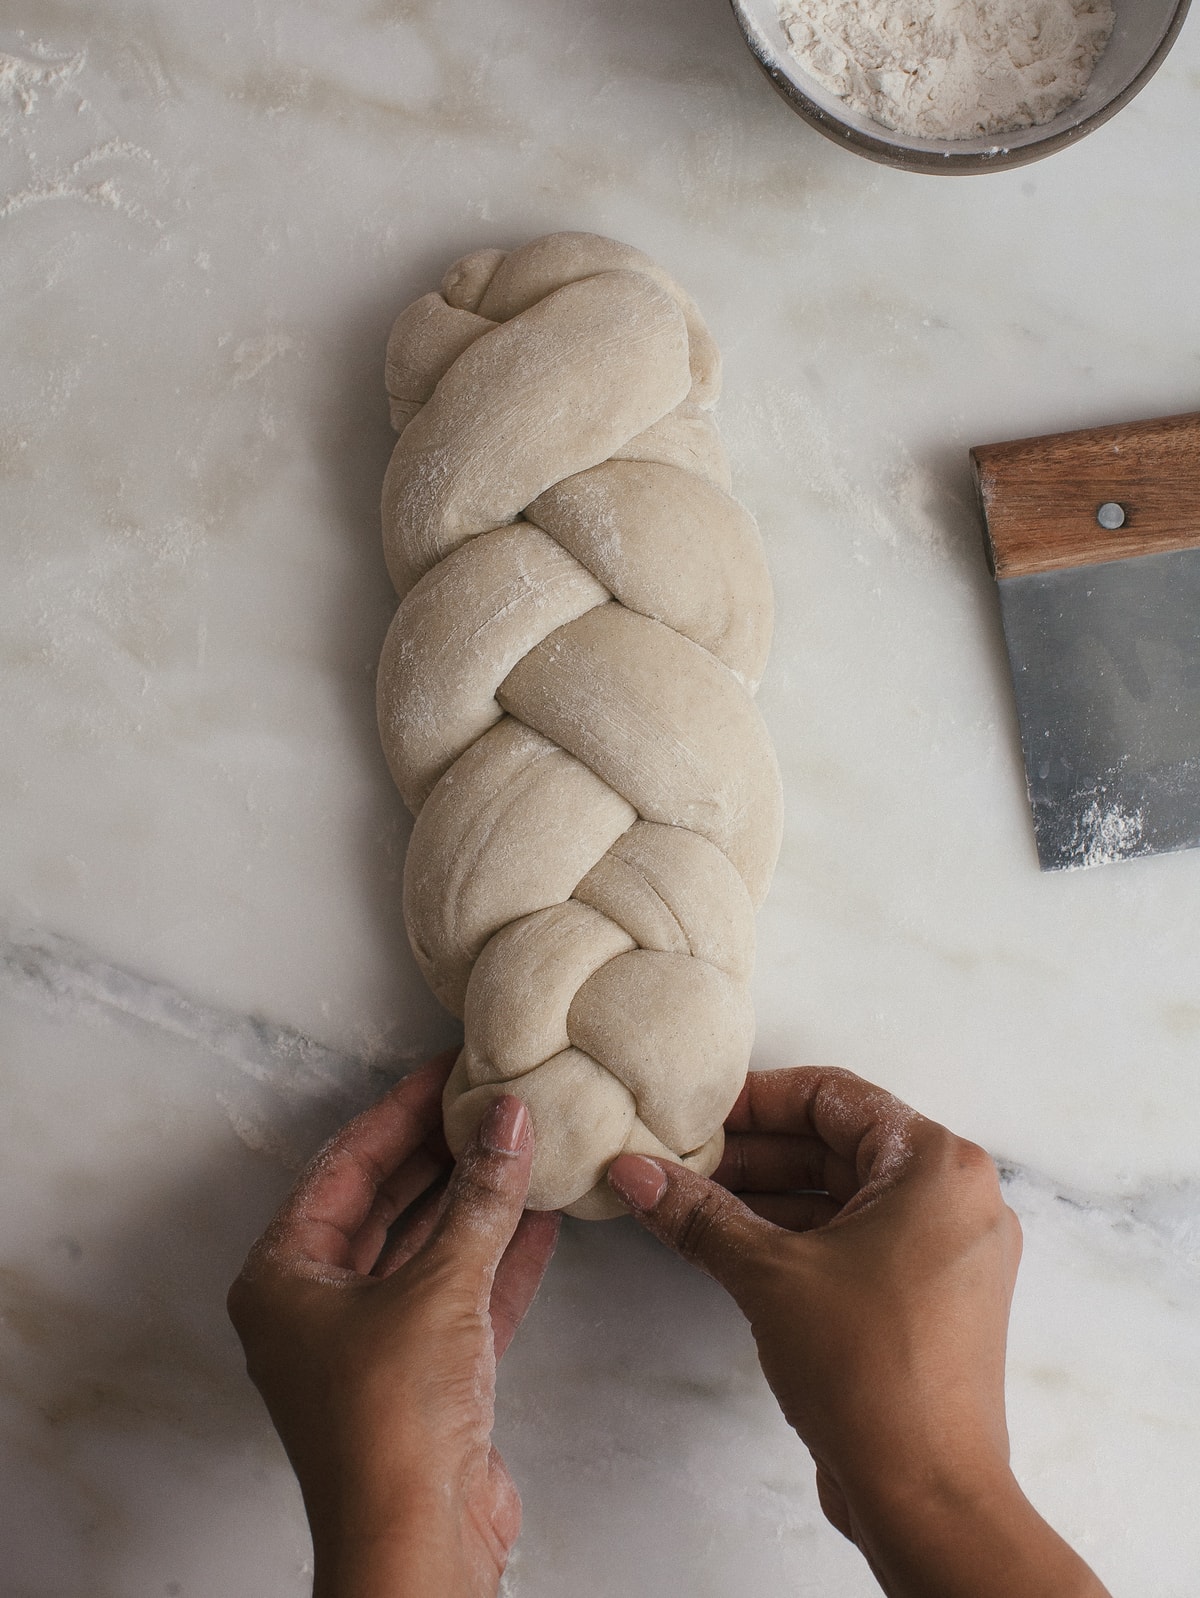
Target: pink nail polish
502, 1130
637, 1180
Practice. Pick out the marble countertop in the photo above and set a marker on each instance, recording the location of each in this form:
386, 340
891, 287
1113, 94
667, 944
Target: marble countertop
210, 215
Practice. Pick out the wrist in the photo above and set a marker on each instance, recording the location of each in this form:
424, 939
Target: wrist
418, 1555
370, 1509
910, 1488
965, 1533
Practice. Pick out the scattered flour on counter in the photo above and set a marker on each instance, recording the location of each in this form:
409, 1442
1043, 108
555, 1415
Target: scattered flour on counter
950, 69
21, 77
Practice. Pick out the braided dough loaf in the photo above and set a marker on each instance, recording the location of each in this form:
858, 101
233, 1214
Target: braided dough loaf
565, 704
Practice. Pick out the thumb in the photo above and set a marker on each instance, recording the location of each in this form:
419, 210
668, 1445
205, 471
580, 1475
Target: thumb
699, 1219
486, 1194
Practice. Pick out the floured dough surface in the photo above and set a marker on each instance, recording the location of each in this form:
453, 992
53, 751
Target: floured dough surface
566, 704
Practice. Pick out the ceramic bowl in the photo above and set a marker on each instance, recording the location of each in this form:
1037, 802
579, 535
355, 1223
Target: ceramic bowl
1145, 30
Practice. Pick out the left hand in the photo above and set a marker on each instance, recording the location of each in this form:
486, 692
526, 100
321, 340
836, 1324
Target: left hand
375, 1347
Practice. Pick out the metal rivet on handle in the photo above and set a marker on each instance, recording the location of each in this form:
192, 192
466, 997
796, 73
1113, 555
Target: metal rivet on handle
1111, 515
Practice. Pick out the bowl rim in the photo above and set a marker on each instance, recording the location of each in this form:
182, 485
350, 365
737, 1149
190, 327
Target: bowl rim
951, 163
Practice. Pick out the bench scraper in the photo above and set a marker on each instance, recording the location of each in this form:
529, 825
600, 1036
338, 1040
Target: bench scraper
1094, 539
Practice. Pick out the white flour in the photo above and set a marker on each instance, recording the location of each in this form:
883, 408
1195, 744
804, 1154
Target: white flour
950, 69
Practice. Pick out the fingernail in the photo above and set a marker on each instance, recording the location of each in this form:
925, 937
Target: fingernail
502, 1130
637, 1180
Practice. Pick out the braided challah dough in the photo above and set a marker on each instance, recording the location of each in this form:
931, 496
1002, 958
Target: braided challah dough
565, 705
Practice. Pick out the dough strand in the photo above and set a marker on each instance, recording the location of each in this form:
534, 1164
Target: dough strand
566, 705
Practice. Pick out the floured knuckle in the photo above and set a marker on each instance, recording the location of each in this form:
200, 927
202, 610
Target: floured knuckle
976, 1184
952, 1158
837, 1074
975, 1166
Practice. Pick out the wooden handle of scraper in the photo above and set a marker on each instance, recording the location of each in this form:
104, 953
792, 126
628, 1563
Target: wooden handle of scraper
1052, 502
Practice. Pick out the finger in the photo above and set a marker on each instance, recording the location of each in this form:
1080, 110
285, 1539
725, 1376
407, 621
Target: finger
701, 1221
867, 1126
771, 1162
486, 1194
436, 1144
320, 1219
397, 1194
794, 1212
520, 1272
414, 1231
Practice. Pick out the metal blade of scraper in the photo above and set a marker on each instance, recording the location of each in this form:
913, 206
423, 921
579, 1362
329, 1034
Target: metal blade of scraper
1094, 539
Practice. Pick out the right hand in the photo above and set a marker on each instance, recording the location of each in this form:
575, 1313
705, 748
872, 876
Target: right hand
874, 1256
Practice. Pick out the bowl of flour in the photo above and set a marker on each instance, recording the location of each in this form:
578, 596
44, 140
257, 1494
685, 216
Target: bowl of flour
958, 86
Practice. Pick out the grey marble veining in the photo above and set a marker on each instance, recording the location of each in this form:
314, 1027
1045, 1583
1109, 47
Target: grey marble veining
634, 1382
282, 1091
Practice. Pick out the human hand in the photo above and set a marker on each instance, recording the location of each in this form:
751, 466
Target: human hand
873, 1254
374, 1345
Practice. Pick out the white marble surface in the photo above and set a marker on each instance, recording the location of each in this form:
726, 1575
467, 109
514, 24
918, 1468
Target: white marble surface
208, 216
